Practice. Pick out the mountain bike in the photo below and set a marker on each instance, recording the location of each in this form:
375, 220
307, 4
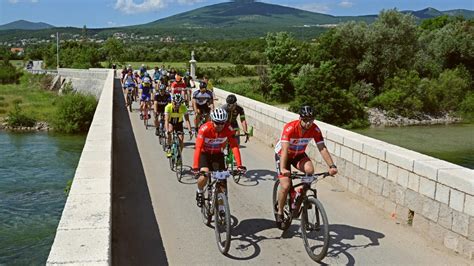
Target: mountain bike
302, 200
202, 120
229, 155
216, 204
129, 98
162, 131
176, 159
145, 114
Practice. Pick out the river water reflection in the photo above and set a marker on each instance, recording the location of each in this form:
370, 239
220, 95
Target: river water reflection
34, 170
453, 143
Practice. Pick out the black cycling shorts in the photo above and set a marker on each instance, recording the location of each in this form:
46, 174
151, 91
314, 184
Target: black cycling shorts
205, 109
291, 161
214, 161
178, 127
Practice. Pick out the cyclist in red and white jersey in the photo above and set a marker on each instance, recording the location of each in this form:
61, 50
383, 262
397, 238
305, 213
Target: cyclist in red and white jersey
210, 142
178, 86
290, 150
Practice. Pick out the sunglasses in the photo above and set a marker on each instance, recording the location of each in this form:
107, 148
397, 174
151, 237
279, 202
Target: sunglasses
219, 123
307, 120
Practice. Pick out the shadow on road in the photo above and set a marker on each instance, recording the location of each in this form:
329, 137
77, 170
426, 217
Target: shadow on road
246, 233
254, 176
343, 239
136, 238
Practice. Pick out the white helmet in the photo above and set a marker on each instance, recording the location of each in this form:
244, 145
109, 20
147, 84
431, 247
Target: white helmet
219, 115
146, 80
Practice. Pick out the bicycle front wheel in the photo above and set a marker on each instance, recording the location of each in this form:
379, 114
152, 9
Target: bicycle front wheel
315, 229
222, 222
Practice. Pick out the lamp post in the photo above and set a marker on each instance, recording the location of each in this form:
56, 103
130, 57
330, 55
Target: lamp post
57, 50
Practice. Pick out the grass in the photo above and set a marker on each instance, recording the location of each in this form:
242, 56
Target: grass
35, 102
17, 63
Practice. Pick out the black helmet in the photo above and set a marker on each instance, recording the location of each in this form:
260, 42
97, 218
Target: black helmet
231, 99
306, 111
203, 85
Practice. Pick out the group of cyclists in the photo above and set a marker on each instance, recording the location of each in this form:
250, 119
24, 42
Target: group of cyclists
171, 94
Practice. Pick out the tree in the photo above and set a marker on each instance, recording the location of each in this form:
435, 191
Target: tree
391, 46
114, 51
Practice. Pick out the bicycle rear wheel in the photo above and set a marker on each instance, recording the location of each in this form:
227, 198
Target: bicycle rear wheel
286, 209
222, 222
315, 229
129, 101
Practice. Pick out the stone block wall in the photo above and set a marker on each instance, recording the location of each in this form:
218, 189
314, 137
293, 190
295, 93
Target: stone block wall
401, 182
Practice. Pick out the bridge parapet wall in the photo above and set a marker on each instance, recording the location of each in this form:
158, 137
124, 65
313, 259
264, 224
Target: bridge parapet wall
84, 232
89, 81
396, 180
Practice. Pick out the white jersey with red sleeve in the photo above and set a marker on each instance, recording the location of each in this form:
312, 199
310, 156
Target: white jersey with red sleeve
293, 134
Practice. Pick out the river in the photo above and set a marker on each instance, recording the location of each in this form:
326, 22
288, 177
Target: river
452, 143
34, 170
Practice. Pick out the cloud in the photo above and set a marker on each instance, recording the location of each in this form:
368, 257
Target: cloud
319, 8
346, 4
143, 6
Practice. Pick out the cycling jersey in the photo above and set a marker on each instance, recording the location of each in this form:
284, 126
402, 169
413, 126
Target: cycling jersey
162, 99
156, 75
292, 133
238, 110
128, 80
202, 98
178, 87
175, 116
145, 89
210, 141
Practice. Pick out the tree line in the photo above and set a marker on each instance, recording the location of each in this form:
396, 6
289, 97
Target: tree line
393, 64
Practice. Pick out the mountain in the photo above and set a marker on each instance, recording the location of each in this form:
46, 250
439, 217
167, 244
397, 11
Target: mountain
25, 25
239, 19
432, 13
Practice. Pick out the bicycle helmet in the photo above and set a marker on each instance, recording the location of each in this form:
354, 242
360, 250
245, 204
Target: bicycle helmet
306, 111
146, 81
177, 98
203, 85
231, 99
219, 115
162, 87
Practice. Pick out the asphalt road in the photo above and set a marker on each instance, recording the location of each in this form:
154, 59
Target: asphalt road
156, 220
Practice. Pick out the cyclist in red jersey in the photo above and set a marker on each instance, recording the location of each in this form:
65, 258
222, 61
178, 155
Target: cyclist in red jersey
210, 142
290, 150
178, 86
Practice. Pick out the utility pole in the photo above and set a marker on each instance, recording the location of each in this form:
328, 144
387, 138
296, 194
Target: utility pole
57, 50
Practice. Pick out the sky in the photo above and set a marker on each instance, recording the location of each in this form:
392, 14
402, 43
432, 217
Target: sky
113, 13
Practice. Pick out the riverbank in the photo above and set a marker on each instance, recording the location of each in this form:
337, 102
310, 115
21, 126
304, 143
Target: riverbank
381, 118
40, 126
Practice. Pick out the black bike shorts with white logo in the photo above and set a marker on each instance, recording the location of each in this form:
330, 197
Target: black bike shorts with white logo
214, 161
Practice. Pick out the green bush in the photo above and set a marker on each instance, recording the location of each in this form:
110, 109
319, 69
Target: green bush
8, 73
466, 108
75, 112
16, 118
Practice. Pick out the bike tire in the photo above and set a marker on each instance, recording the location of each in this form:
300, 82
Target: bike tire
205, 213
172, 159
222, 224
287, 217
315, 231
179, 167
129, 102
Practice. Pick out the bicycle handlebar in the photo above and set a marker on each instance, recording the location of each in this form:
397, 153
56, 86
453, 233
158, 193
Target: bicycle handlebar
296, 175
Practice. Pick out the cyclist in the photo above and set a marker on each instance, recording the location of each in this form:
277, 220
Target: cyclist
234, 110
211, 140
189, 86
178, 86
290, 150
129, 83
174, 114
203, 102
142, 71
162, 98
172, 74
156, 77
145, 87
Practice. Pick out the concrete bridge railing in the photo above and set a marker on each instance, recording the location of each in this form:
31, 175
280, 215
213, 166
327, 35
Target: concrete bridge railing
84, 232
435, 196
86, 81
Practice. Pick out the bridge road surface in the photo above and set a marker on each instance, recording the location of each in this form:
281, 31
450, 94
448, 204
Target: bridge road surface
168, 217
